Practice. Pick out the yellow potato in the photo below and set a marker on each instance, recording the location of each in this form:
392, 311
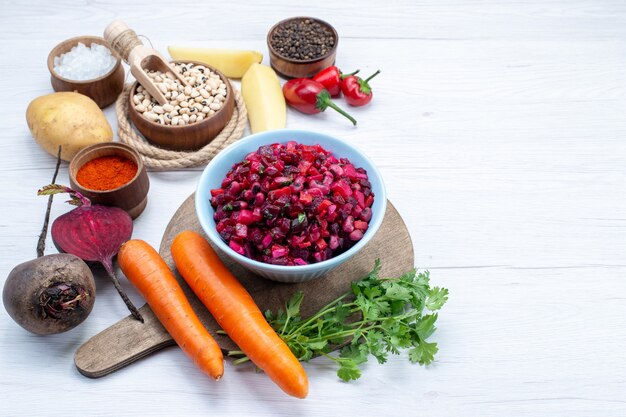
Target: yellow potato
69, 119
232, 63
264, 99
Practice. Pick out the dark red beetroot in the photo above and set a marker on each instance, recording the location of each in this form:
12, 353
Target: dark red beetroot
94, 233
292, 204
52, 293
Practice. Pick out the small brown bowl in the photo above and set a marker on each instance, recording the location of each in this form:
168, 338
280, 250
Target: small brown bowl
293, 68
189, 137
103, 90
132, 196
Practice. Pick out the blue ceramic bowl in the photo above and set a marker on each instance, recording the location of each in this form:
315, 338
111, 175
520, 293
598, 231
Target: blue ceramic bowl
219, 166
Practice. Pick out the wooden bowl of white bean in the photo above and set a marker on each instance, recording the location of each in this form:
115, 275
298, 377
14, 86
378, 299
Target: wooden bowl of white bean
194, 114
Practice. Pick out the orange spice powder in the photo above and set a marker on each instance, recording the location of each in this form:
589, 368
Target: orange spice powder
106, 173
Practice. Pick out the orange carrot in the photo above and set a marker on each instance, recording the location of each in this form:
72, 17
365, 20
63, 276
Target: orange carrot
236, 312
145, 268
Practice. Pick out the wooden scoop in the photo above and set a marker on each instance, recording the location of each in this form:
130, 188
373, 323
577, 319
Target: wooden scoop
140, 58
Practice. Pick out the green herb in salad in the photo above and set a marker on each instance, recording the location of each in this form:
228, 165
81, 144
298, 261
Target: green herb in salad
377, 317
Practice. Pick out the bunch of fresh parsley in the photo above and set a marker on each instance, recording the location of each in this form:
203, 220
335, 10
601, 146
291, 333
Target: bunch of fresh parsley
377, 317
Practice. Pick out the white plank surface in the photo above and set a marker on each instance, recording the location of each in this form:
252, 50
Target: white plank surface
499, 127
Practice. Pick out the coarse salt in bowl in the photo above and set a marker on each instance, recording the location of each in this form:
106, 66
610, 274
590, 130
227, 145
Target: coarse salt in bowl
103, 89
221, 164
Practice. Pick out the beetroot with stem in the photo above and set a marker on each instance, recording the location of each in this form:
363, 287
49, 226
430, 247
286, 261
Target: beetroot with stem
50, 294
94, 233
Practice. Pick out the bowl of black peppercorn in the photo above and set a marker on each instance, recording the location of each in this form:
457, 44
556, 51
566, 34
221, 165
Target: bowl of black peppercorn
301, 46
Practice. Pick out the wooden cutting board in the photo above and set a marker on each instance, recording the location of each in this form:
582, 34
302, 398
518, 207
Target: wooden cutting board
129, 340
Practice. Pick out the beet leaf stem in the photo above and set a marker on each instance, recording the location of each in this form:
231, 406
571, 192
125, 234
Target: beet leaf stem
116, 282
41, 243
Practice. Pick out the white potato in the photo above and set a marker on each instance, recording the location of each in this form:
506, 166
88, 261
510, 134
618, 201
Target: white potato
69, 119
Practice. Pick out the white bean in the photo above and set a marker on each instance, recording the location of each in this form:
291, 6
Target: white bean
186, 104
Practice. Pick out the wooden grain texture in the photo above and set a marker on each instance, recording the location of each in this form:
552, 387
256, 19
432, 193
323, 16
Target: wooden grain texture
499, 128
129, 340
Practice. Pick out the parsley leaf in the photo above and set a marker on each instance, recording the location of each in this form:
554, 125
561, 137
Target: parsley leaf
425, 327
293, 305
358, 353
423, 353
348, 370
437, 298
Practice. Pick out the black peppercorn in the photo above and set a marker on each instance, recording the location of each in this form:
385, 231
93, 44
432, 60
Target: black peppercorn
302, 39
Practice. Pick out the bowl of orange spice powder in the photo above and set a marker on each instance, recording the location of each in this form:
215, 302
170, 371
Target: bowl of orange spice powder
111, 174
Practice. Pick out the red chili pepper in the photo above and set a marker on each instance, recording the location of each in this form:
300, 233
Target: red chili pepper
357, 91
310, 97
331, 78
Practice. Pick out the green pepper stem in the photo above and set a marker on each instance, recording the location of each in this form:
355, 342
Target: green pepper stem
323, 101
342, 76
372, 76
342, 112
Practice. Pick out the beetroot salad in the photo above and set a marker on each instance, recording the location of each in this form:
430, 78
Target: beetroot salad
292, 204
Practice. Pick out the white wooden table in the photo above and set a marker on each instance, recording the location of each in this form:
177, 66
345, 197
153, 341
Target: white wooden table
500, 128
